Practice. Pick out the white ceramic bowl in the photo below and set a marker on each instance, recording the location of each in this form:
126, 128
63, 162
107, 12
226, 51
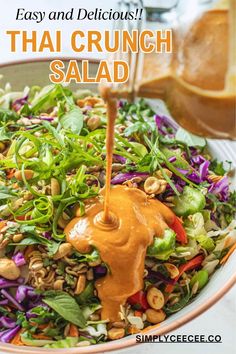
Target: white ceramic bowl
23, 73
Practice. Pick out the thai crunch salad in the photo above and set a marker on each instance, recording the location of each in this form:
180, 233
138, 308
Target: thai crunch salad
52, 164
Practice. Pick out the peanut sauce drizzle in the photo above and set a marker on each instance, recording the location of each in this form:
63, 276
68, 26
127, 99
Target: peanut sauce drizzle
121, 223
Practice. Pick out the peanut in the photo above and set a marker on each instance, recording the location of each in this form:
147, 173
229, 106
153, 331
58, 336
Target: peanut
95, 317
117, 167
55, 187
155, 316
89, 274
8, 269
116, 333
27, 195
17, 238
159, 173
94, 122
28, 175
172, 269
37, 266
2, 146
151, 185
163, 185
58, 285
64, 250
63, 221
155, 298
80, 286
119, 324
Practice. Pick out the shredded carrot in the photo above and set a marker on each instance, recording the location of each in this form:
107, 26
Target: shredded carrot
40, 336
41, 326
73, 332
228, 254
17, 339
10, 173
28, 250
138, 313
2, 224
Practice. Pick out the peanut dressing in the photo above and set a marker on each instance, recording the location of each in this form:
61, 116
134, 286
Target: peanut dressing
198, 81
121, 222
124, 247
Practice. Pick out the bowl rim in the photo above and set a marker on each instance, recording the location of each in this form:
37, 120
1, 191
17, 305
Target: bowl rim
115, 345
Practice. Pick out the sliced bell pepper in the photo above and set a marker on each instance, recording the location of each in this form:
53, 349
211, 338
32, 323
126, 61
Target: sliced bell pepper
192, 264
139, 299
178, 228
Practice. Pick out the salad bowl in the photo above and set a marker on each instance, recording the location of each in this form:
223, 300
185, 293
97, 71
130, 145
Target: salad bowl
30, 73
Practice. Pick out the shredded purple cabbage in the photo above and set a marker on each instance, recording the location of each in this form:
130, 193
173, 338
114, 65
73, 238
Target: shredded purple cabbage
159, 276
29, 314
17, 104
122, 177
163, 122
172, 159
3, 302
118, 158
19, 259
7, 322
9, 334
36, 302
7, 283
99, 271
198, 160
220, 188
204, 170
87, 108
194, 177
47, 235
183, 171
120, 104
12, 300
48, 119
24, 291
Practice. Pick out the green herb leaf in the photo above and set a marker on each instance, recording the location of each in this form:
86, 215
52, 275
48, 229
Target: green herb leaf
7, 115
178, 306
66, 306
4, 135
6, 193
189, 139
73, 120
217, 167
45, 98
33, 240
88, 257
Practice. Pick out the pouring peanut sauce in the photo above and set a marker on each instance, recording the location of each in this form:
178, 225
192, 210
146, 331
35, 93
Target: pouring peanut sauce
121, 224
